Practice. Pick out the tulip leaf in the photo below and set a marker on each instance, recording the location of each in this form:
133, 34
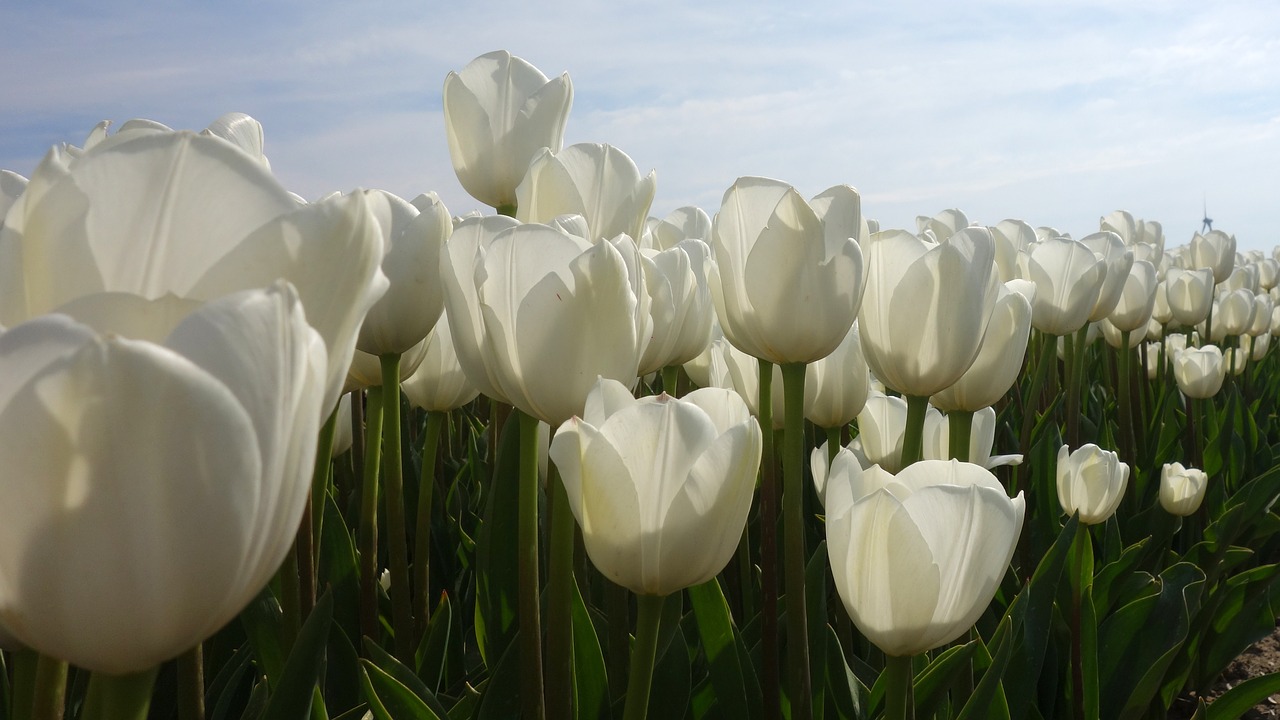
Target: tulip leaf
671, 689
262, 623
342, 670
947, 671
388, 665
1235, 702
339, 570
389, 699
845, 692
1240, 614
225, 685
988, 698
590, 680
1035, 605
497, 551
291, 697
715, 630
1132, 659
501, 694
430, 657
1111, 574
815, 581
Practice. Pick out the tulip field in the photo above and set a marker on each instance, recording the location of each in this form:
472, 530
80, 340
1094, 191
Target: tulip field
357, 458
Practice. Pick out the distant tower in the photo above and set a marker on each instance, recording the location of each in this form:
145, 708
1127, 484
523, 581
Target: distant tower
1207, 224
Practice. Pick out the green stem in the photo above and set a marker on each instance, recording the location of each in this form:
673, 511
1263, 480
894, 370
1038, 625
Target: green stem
649, 608
398, 536
531, 699
560, 602
1075, 385
1128, 446
670, 374
1048, 353
1077, 654
422, 529
793, 527
25, 662
959, 434
321, 476
119, 697
768, 549
50, 689
746, 578
833, 444
617, 605
913, 436
898, 689
191, 684
369, 515
509, 210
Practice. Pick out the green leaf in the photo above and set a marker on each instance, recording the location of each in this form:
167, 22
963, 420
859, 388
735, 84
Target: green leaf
339, 570
393, 668
222, 691
672, 686
988, 699
1035, 603
291, 697
946, 671
501, 698
845, 694
430, 657
1238, 700
389, 699
815, 582
1113, 573
262, 624
716, 633
590, 680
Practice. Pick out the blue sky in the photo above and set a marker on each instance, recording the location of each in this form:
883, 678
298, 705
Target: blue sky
1052, 112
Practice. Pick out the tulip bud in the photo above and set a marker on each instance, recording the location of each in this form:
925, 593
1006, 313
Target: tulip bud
661, 487
1182, 489
599, 182
1199, 371
1091, 481
1190, 295
1068, 277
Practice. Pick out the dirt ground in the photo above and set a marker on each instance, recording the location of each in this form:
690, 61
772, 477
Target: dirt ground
1262, 658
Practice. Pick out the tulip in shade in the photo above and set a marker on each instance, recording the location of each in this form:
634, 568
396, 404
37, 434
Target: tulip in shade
999, 359
836, 387
926, 307
917, 556
1137, 298
1182, 489
439, 384
679, 304
787, 281
599, 182
1199, 371
1091, 481
498, 113
158, 456
660, 487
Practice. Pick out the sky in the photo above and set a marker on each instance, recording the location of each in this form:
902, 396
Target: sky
1054, 112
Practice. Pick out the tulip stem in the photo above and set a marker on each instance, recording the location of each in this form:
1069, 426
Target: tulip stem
560, 602
191, 684
530, 611
369, 515
959, 434
1077, 653
670, 374
898, 689
320, 479
793, 527
768, 548
119, 697
398, 537
422, 528
649, 610
49, 691
833, 443
1128, 442
913, 436
1048, 353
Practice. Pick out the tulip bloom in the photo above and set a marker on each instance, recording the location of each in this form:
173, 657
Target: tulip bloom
926, 307
786, 281
158, 459
498, 113
1091, 481
999, 360
1200, 370
1182, 489
1108, 247
1137, 298
1068, 277
439, 383
917, 556
661, 487
836, 387
1215, 251
599, 182
982, 440
679, 304
1190, 295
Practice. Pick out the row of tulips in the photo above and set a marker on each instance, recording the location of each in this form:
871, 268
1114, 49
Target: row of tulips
357, 458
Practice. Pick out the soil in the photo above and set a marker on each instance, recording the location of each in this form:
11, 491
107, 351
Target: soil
1260, 659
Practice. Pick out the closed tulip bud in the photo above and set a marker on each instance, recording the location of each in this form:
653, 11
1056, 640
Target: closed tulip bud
439, 384
599, 182
999, 360
916, 557
1153, 360
1182, 489
786, 281
412, 242
1119, 260
1232, 315
1268, 273
1215, 251
660, 487
1160, 311
926, 307
1258, 346
1190, 295
160, 458
836, 387
1243, 277
1137, 298
1261, 323
1199, 371
1091, 481
498, 113
1068, 277
680, 304
1236, 359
